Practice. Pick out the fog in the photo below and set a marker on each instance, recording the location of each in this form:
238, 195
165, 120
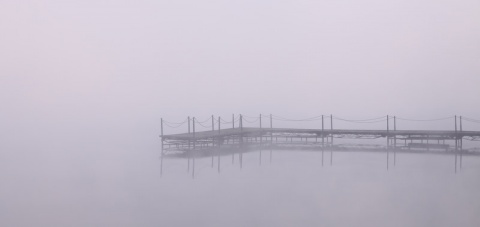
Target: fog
83, 85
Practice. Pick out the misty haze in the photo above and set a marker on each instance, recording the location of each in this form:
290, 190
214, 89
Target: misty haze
249, 113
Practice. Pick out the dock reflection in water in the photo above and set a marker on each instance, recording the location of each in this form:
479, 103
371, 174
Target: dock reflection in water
357, 190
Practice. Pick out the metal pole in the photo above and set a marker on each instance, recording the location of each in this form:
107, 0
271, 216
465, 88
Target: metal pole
233, 120
395, 140
188, 132
388, 118
331, 129
241, 141
388, 131
461, 142
271, 137
241, 129
194, 139
194, 146
261, 142
260, 121
388, 139
456, 143
323, 140
331, 139
218, 157
213, 137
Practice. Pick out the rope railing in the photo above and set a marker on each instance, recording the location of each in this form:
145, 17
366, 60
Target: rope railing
201, 124
174, 124
370, 120
236, 119
208, 119
275, 117
437, 119
252, 119
256, 120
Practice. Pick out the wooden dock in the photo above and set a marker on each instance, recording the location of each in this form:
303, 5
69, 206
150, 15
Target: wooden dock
324, 138
213, 139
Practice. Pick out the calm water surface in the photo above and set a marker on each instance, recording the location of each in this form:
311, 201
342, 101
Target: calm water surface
124, 188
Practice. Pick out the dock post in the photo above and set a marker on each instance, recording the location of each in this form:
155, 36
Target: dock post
161, 154
219, 139
213, 137
331, 139
456, 143
388, 138
241, 141
395, 140
194, 146
194, 139
428, 142
188, 132
388, 132
461, 142
323, 139
261, 138
271, 137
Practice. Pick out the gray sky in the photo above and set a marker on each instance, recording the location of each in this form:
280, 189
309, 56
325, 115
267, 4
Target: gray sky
83, 85
98, 67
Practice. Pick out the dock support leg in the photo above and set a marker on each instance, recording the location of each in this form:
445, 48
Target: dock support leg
261, 140
461, 142
213, 137
331, 128
323, 139
428, 143
271, 137
394, 140
241, 142
456, 143
388, 139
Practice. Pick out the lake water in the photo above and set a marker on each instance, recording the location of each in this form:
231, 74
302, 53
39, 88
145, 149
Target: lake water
124, 188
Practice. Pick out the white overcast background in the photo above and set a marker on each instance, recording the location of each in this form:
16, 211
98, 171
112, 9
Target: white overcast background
90, 69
